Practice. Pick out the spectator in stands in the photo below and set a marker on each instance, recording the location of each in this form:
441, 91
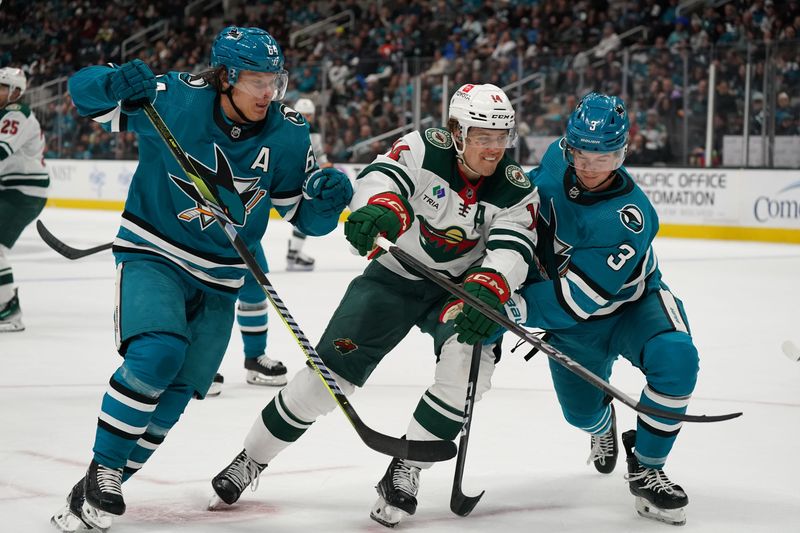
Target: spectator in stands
654, 136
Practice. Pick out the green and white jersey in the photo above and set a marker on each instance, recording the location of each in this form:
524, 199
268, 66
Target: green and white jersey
22, 165
457, 224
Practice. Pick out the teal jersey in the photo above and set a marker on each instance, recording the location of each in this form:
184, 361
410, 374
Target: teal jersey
594, 252
164, 217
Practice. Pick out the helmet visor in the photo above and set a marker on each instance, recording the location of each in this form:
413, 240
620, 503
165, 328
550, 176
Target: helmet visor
485, 138
595, 161
261, 84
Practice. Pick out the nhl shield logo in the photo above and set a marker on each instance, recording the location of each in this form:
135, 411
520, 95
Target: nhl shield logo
344, 346
517, 177
439, 138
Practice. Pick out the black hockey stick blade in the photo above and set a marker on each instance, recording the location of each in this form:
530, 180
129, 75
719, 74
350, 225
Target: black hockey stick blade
460, 503
551, 352
64, 249
427, 451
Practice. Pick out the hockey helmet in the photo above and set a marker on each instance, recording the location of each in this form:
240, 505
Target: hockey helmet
305, 106
15, 79
482, 106
252, 49
597, 133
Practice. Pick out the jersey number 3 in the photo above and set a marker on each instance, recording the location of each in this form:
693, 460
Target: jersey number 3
617, 261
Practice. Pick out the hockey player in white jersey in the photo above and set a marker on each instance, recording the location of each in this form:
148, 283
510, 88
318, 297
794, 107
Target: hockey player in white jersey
457, 202
295, 258
23, 183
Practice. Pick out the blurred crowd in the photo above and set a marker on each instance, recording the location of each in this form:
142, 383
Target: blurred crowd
361, 71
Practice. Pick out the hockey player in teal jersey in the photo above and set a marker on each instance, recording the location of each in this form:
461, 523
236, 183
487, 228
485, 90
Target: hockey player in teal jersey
597, 291
457, 202
177, 274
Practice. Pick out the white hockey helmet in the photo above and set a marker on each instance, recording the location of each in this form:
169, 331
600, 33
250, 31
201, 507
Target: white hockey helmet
305, 106
482, 106
14, 78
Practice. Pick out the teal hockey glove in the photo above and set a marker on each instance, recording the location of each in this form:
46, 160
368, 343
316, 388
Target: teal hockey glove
133, 83
490, 287
329, 191
386, 214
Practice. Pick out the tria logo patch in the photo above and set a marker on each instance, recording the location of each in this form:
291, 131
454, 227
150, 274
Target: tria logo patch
344, 346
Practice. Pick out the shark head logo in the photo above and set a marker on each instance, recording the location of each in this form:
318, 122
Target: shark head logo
632, 218
240, 195
444, 245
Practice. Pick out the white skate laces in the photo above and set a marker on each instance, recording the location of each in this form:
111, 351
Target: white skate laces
654, 479
244, 471
406, 478
109, 480
602, 448
265, 361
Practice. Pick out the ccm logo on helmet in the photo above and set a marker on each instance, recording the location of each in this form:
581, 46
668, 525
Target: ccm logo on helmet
590, 141
502, 116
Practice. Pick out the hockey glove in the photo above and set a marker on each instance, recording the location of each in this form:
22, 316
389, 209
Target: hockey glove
133, 84
387, 214
329, 191
490, 287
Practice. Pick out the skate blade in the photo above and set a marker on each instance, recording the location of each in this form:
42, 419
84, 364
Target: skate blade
11, 327
214, 390
95, 518
293, 267
257, 378
215, 503
675, 517
69, 522
385, 514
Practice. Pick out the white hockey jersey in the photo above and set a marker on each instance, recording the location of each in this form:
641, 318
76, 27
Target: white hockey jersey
457, 224
22, 165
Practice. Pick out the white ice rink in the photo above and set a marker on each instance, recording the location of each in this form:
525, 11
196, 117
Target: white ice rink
741, 476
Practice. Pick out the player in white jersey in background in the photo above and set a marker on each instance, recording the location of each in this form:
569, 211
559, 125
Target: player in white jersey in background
458, 203
295, 258
23, 183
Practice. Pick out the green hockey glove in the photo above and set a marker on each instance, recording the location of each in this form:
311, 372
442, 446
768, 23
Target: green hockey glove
386, 214
490, 287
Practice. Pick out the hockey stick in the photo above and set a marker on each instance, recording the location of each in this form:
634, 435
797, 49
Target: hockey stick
460, 503
428, 451
553, 353
64, 249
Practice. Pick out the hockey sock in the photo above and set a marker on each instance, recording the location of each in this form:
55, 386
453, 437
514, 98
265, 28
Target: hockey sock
297, 241
437, 417
601, 425
171, 405
671, 361
253, 323
152, 361
124, 415
6, 278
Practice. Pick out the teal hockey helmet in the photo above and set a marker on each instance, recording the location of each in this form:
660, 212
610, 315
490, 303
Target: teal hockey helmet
599, 124
253, 49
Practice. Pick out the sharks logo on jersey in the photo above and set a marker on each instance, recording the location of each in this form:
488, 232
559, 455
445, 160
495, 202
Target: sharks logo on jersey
444, 245
632, 218
561, 249
291, 115
248, 189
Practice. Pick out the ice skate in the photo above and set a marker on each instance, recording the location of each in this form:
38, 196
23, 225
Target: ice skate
69, 519
397, 494
657, 497
298, 261
262, 370
229, 484
216, 386
103, 496
11, 316
604, 448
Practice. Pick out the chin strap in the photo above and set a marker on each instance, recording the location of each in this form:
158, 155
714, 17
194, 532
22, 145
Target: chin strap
229, 93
